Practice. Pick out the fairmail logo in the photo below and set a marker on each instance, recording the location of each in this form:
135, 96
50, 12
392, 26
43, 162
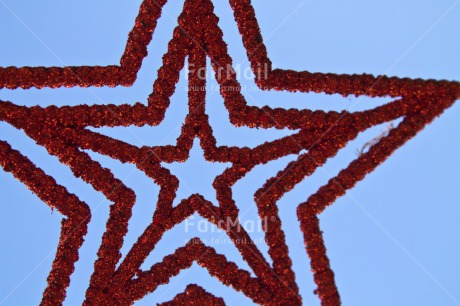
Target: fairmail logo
228, 224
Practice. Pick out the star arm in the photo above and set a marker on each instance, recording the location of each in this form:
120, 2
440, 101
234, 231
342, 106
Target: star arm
84, 76
73, 228
377, 154
330, 83
102, 180
216, 264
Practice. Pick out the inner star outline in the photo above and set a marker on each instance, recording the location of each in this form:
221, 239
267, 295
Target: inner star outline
62, 131
191, 174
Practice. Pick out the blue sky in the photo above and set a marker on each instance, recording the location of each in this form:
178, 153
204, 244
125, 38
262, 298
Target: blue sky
392, 240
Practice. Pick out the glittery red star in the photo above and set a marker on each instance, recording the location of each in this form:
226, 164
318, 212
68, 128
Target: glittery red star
62, 131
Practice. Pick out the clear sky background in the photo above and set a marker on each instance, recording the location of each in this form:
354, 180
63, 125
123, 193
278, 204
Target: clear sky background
392, 240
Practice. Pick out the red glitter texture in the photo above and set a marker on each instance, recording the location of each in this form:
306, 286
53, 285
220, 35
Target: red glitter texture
63, 132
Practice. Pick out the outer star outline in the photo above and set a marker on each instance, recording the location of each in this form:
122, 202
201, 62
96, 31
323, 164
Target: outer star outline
63, 134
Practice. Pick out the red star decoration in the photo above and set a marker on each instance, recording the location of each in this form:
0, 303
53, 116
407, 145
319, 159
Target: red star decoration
62, 131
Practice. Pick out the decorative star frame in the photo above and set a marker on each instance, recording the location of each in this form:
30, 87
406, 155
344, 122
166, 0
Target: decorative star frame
63, 132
